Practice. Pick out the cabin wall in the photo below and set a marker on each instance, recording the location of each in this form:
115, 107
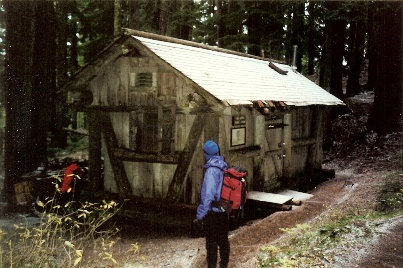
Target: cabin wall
307, 139
160, 118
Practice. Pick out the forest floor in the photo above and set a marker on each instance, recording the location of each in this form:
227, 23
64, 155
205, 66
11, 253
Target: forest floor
362, 161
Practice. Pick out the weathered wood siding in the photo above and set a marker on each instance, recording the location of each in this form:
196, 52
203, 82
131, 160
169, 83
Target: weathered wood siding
163, 114
307, 137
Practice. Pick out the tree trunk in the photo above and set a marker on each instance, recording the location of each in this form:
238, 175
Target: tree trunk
220, 23
164, 17
297, 32
332, 57
386, 113
44, 65
187, 26
133, 21
252, 22
356, 40
18, 159
371, 49
59, 118
311, 38
117, 21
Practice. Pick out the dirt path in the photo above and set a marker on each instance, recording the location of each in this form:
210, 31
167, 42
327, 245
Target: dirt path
349, 189
352, 187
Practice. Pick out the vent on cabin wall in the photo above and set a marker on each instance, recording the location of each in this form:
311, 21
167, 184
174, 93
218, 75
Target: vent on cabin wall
140, 81
144, 80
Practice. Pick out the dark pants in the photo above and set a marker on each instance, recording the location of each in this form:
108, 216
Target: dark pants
216, 228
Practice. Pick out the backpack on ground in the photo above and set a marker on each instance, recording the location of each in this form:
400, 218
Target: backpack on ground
234, 190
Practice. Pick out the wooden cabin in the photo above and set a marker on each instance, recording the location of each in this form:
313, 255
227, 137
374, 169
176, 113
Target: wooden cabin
152, 101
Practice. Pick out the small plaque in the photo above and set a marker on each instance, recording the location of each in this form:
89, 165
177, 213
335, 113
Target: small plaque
238, 136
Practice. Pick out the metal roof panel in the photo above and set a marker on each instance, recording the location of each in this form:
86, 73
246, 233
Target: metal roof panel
237, 79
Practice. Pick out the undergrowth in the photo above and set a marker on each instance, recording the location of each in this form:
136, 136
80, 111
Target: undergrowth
314, 245
72, 235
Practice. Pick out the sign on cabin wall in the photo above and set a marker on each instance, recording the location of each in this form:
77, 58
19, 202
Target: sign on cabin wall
238, 132
238, 136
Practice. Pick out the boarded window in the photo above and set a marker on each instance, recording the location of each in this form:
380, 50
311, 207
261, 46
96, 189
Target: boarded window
144, 80
150, 132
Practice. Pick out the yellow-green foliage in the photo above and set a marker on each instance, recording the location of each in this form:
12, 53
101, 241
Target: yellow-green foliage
68, 236
390, 198
314, 245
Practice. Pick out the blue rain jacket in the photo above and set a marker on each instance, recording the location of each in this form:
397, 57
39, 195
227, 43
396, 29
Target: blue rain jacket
212, 182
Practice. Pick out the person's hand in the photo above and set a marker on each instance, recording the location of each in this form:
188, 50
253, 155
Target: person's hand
198, 223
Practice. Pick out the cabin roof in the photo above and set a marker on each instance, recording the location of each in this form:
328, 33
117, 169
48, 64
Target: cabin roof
237, 79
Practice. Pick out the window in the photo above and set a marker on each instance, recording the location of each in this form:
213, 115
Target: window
150, 132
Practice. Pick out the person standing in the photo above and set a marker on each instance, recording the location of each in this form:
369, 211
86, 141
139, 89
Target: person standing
215, 222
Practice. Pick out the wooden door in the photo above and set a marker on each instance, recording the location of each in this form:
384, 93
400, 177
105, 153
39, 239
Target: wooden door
274, 153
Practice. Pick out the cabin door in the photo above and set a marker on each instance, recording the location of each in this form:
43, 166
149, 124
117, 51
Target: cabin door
274, 154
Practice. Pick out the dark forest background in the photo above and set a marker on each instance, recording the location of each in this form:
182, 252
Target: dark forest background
43, 43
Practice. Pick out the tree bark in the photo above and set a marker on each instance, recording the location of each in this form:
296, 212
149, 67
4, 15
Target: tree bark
356, 40
44, 77
253, 21
311, 38
117, 21
133, 17
220, 23
59, 118
332, 56
297, 31
386, 113
164, 17
18, 93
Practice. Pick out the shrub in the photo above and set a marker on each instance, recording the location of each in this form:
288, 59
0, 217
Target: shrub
390, 198
68, 236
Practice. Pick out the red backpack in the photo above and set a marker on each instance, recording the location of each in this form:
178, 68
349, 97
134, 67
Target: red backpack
234, 190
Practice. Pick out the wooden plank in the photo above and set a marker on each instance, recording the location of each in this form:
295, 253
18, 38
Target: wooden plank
287, 145
316, 153
130, 155
94, 143
296, 196
260, 104
121, 179
185, 158
243, 153
269, 197
303, 142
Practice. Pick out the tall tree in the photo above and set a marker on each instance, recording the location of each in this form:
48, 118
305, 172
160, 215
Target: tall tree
273, 19
297, 31
356, 42
117, 18
44, 80
387, 54
60, 119
205, 30
133, 14
253, 23
182, 20
220, 22
311, 37
333, 49
19, 157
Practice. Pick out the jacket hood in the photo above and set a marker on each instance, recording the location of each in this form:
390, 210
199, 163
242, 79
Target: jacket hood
216, 161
